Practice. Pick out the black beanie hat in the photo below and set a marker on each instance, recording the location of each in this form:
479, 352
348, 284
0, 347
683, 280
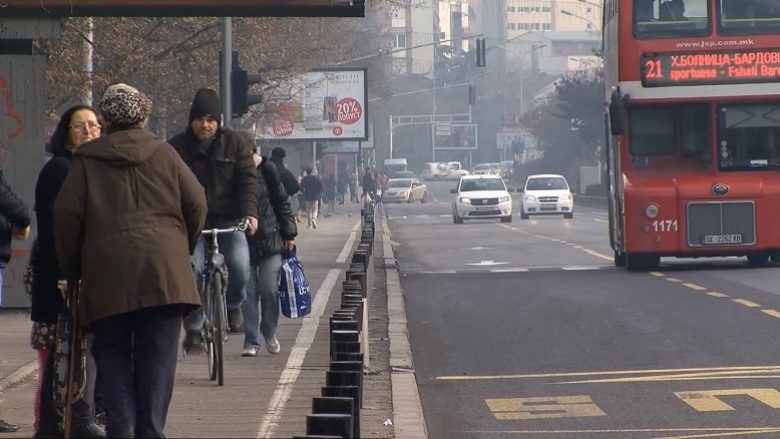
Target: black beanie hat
206, 103
278, 152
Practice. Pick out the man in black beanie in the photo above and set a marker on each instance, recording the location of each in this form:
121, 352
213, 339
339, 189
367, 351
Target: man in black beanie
288, 179
222, 160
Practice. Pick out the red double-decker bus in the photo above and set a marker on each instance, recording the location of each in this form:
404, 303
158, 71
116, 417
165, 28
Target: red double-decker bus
693, 121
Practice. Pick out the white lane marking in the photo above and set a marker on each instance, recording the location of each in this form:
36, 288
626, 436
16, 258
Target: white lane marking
510, 270
303, 342
487, 263
348, 246
581, 268
18, 375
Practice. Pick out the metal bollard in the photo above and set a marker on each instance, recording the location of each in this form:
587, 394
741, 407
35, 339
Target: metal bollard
349, 366
347, 356
330, 424
338, 405
336, 324
339, 338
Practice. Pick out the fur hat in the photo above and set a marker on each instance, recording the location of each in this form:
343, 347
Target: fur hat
206, 103
124, 106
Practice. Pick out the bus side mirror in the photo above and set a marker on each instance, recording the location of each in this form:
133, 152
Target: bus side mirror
617, 115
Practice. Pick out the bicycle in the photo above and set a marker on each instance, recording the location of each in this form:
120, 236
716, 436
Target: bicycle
215, 331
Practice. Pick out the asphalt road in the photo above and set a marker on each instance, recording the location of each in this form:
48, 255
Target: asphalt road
527, 330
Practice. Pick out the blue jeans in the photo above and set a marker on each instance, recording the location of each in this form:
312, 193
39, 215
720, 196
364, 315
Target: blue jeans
262, 295
236, 251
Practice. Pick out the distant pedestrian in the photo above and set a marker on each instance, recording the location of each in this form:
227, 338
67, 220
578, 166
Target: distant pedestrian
343, 187
312, 189
14, 224
353, 193
221, 159
128, 217
330, 193
368, 184
275, 234
77, 126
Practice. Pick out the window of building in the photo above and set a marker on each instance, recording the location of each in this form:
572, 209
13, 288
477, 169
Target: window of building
399, 40
546, 26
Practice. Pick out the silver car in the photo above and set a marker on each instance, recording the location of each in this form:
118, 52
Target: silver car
405, 190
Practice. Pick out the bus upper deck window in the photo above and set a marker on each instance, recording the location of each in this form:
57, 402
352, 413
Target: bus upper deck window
748, 17
671, 18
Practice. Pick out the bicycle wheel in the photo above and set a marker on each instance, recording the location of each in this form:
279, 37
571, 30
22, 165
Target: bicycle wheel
220, 327
208, 332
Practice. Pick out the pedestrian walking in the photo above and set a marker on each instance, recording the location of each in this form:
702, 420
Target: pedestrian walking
128, 217
14, 224
275, 234
221, 159
312, 189
77, 126
289, 181
330, 193
353, 193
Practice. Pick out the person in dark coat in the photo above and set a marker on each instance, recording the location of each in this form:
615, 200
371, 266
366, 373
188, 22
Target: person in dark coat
14, 224
276, 234
312, 189
129, 215
78, 125
221, 158
288, 179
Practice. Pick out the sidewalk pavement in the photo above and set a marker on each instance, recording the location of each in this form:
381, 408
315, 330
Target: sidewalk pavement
268, 396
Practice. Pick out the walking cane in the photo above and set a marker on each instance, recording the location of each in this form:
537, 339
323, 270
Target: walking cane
73, 341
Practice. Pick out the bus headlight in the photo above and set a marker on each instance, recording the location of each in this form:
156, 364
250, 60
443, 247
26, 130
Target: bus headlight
652, 211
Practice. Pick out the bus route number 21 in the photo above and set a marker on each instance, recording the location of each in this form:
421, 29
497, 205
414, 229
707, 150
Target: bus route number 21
664, 225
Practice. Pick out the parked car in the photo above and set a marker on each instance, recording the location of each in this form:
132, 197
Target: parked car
443, 171
481, 196
547, 194
405, 189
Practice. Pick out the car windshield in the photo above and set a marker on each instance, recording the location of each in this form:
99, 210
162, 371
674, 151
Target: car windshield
546, 184
482, 184
671, 18
748, 17
399, 183
749, 136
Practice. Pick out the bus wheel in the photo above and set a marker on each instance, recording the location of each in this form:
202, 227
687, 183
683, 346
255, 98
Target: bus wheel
760, 259
641, 261
619, 258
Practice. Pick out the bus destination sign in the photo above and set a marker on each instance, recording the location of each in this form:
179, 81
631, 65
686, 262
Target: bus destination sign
700, 68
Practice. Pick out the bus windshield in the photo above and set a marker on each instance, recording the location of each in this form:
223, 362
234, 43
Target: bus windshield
749, 136
657, 130
748, 17
671, 18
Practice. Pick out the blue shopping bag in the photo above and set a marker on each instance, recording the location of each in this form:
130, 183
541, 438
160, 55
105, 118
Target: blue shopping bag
294, 295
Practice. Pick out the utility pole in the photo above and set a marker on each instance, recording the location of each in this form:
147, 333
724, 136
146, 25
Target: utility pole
225, 67
88, 52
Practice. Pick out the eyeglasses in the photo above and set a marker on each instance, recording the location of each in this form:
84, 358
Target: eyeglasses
91, 127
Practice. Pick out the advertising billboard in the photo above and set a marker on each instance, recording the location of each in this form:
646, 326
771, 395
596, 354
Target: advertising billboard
461, 136
327, 104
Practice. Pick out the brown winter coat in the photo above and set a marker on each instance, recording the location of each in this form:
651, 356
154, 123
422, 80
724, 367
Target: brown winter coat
128, 217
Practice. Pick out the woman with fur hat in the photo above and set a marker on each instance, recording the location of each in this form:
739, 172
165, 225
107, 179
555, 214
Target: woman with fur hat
128, 216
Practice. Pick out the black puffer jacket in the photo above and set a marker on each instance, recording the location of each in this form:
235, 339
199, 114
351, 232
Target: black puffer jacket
13, 212
277, 223
226, 171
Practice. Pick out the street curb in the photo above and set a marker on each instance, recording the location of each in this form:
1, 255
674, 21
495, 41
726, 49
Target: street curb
19, 375
408, 419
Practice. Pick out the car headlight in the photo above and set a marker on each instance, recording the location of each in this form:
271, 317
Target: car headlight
403, 193
568, 196
464, 200
503, 199
530, 198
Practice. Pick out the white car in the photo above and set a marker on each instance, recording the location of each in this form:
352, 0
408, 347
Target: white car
484, 169
547, 194
405, 190
481, 196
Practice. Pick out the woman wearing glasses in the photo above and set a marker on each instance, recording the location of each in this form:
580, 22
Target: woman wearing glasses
78, 125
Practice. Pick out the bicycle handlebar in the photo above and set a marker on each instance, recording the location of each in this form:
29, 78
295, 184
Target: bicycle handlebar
240, 227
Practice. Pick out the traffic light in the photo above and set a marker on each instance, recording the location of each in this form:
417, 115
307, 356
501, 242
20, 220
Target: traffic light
240, 99
480, 46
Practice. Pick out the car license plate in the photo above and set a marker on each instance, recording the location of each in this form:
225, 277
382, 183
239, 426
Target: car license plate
485, 209
548, 207
732, 238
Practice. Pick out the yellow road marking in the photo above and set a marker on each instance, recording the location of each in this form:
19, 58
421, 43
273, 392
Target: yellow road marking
578, 406
707, 401
690, 376
717, 294
694, 286
657, 274
747, 303
706, 435
753, 369
772, 313
674, 279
